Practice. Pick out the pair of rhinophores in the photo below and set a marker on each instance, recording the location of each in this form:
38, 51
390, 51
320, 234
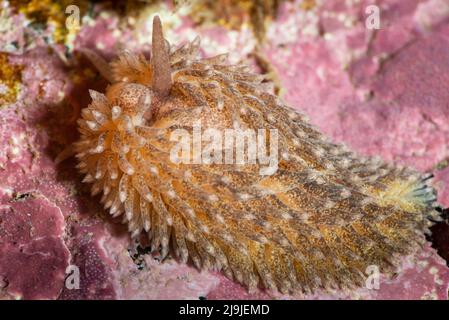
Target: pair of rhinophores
318, 222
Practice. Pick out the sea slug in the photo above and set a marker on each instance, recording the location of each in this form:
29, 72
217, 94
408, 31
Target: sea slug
317, 221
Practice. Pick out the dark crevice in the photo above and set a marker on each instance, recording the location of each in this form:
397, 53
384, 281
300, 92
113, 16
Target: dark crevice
440, 235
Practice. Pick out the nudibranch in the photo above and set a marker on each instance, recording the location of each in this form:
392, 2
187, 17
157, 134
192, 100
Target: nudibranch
316, 222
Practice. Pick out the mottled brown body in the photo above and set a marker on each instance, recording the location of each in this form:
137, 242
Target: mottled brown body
318, 222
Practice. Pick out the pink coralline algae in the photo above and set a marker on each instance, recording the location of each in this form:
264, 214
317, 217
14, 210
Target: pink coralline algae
381, 92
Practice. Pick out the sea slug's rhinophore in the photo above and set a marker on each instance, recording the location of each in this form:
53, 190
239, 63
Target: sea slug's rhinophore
319, 221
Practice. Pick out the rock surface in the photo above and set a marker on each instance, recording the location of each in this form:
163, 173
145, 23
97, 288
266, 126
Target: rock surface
382, 92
